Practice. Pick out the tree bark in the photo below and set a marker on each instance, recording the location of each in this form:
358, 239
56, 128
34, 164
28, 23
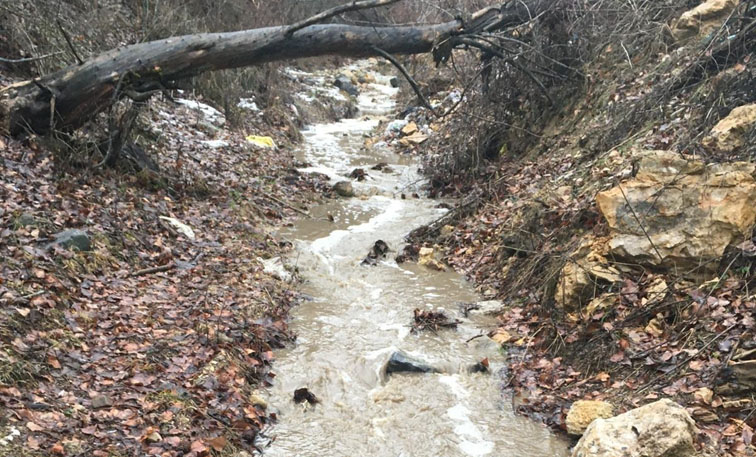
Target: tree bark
68, 98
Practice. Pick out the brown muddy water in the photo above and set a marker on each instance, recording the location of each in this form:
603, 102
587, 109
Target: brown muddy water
359, 315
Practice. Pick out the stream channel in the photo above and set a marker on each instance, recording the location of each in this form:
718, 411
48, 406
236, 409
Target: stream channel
358, 316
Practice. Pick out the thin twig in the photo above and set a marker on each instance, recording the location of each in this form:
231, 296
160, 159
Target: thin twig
70, 43
283, 203
159, 269
29, 59
327, 14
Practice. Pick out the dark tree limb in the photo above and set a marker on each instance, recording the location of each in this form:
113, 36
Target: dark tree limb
408, 77
70, 97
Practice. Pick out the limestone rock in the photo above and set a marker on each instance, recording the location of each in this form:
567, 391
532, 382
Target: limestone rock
583, 412
586, 269
729, 134
344, 188
703, 19
409, 129
659, 429
427, 258
101, 401
678, 213
74, 238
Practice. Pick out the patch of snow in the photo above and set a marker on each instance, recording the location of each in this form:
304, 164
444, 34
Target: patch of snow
276, 268
8, 439
215, 144
211, 114
249, 104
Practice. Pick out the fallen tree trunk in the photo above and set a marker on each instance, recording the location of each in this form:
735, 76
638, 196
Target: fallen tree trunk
68, 98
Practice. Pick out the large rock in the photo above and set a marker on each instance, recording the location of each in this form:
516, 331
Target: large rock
344, 188
583, 412
679, 213
583, 274
74, 238
659, 429
729, 134
401, 363
703, 19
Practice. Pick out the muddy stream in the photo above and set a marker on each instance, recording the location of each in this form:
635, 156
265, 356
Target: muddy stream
358, 316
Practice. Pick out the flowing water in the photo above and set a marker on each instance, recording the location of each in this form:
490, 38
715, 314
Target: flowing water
359, 315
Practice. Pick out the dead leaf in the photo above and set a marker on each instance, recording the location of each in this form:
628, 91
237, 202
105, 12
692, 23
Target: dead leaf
217, 443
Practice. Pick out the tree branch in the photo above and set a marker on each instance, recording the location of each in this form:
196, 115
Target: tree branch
354, 6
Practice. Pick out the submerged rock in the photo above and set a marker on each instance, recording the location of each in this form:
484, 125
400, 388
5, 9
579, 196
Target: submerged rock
347, 86
377, 252
401, 363
344, 189
74, 238
659, 429
678, 213
583, 412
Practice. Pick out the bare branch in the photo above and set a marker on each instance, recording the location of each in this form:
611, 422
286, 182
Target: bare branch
320, 17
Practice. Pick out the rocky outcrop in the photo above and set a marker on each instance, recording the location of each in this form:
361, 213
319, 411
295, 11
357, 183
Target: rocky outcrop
659, 429
703, 19
730, 133
679, 213
583, 412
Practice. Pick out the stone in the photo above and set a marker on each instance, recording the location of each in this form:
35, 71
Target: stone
487, 307
26, 220
400, 362
704, 395
101, 401
394, 81
427, 258
409, 129
703, 19
344, 189
729, 135
74, 238
680, 214
583, 412
659, 429
180, 227
586, 269
347, 86
501, 337
257, 400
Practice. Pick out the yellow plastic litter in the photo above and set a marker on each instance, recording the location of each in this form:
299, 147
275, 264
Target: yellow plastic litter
262, 141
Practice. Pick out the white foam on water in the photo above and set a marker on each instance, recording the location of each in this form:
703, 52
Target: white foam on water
471, 441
